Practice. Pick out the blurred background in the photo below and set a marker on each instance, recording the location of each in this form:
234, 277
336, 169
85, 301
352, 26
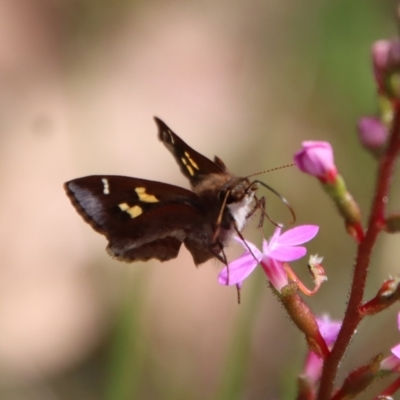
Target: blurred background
80, 82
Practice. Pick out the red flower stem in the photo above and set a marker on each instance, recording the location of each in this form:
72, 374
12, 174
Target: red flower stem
390, 390
352, 315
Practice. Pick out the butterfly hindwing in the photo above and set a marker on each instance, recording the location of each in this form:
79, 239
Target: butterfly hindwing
141, 219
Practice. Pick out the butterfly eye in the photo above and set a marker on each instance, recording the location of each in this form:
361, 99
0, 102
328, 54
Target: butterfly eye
252, 188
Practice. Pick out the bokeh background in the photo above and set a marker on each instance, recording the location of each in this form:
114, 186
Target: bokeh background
245, 80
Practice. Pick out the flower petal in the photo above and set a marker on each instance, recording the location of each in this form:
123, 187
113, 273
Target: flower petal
274, 239
299, 235
276, 272
396, 351
287, 253
372, 132
316, 158
239, 270
249, 246
313, 368
398, 320
329, 328
391, 363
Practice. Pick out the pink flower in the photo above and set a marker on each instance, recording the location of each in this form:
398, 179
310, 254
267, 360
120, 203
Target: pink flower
385, 57
316, 158
279, 249
329, 330
372, 132
396, 349
380, 55
392, 363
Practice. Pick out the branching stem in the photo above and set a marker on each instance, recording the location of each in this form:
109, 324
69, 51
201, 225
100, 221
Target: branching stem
352, 315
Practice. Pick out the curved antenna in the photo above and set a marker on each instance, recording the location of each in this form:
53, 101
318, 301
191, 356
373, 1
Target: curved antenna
283, 199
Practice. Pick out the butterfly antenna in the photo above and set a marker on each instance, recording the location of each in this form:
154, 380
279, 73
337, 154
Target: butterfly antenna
271, 170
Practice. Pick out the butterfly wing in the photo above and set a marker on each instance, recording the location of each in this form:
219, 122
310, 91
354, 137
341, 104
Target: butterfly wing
193, 165
141, 219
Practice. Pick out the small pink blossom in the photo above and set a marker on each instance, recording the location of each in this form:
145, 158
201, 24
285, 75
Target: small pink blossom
396, 349
316, 158
385, 57
380, 55
372, 132
329, 330
279, 249
392, 363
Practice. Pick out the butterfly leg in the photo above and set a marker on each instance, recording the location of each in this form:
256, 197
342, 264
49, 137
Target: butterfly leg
217, 249
260, 205
222, 257
238, 293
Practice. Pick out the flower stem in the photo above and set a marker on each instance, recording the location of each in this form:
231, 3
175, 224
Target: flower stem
352, 315
390, 390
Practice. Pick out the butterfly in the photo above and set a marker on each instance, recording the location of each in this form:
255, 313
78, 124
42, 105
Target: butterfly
144, 219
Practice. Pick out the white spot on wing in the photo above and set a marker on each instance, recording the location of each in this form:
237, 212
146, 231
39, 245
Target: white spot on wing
106, 187
171, 137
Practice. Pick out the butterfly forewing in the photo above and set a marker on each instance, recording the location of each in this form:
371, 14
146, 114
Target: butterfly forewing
192, 164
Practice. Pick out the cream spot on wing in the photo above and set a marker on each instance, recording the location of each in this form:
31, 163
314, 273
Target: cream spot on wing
188, 167
133, 211
143, 196
194, 165
106, 186
123, 206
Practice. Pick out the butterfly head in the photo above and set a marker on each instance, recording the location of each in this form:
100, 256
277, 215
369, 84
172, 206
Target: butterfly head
237, 195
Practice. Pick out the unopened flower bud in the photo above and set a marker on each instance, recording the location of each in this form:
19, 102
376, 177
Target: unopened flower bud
358, 380
308, 380
388, 294
316, 158
372, 134
386, 61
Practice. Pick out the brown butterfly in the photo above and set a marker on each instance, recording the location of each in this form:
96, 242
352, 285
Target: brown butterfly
145, 219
